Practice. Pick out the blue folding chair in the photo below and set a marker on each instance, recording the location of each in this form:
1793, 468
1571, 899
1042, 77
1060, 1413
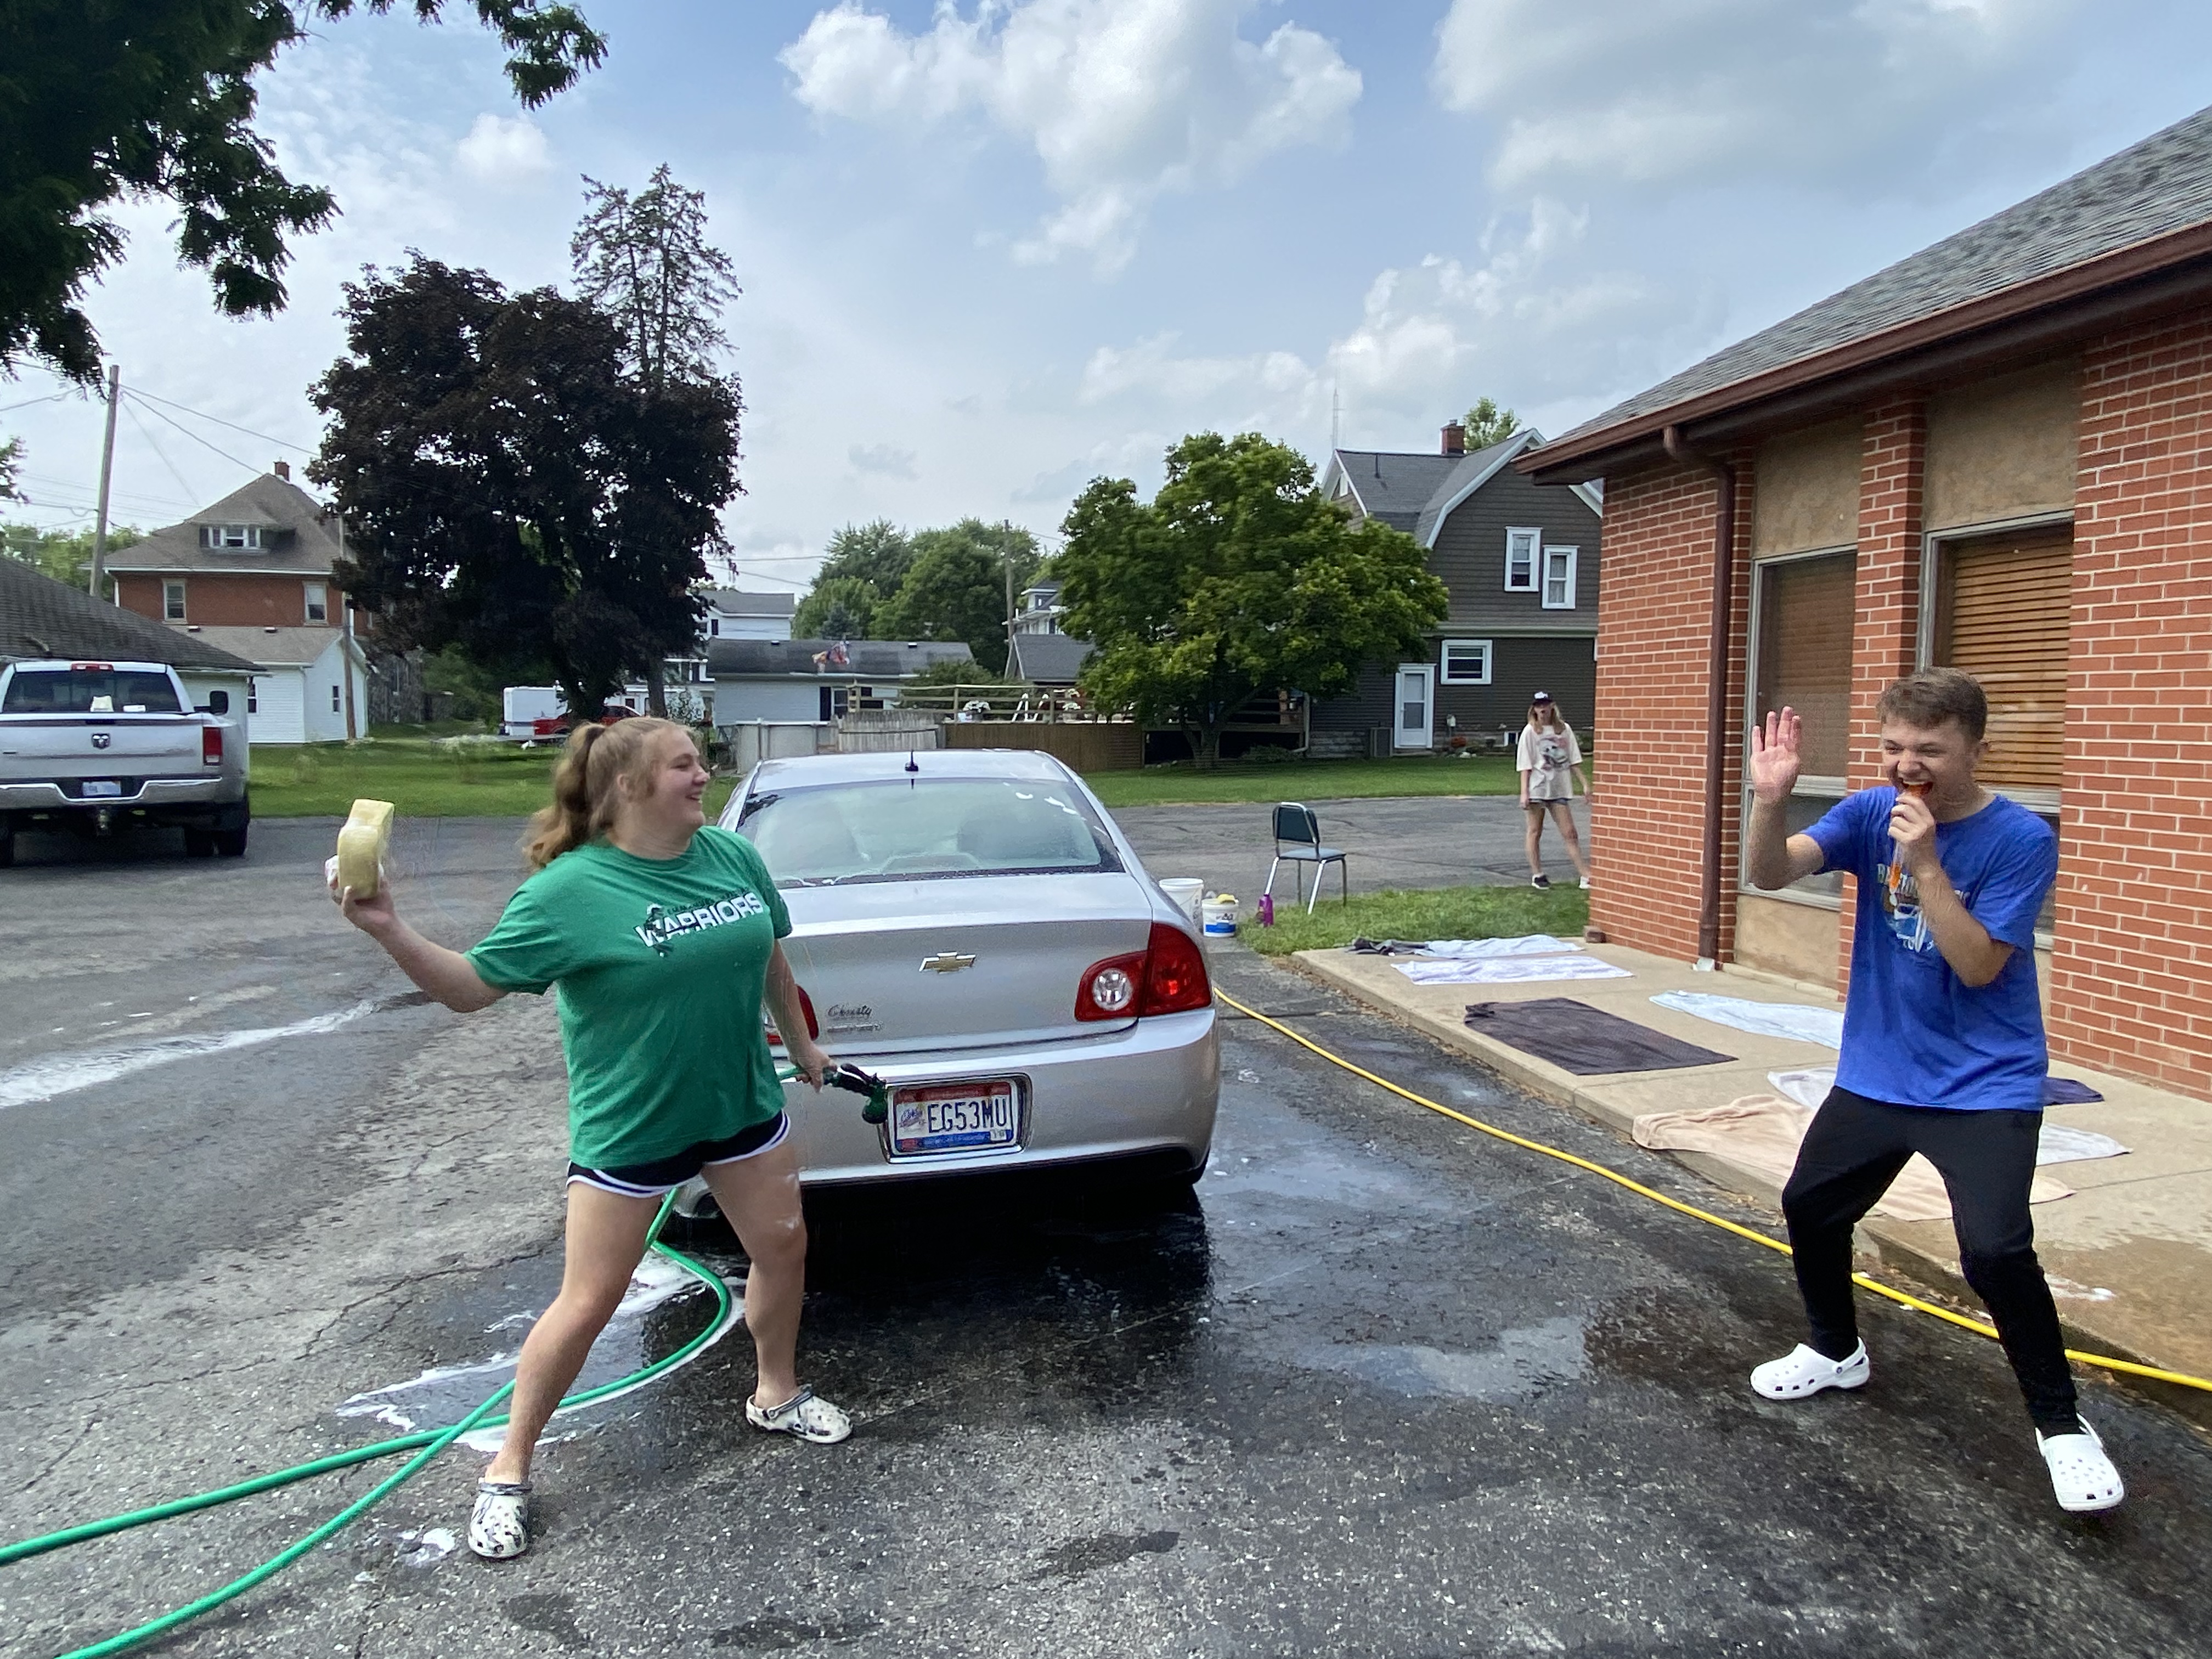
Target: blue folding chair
1298, 841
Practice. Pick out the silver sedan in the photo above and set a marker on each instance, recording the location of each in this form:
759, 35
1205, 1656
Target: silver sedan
971, 927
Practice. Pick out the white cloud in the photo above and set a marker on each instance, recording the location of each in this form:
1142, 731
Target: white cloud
1535, 321
887, 459
504, 149
1830, 91
1121, 99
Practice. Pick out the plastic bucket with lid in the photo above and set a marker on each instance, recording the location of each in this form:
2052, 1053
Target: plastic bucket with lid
1185, 892
1219, 915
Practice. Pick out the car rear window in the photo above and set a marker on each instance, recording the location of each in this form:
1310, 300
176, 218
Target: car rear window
89, 691
902, 830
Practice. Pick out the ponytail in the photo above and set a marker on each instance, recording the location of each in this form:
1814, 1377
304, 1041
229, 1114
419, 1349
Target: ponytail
585, 795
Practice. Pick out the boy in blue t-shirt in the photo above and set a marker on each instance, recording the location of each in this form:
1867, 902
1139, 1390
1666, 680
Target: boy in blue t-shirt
1944, 1051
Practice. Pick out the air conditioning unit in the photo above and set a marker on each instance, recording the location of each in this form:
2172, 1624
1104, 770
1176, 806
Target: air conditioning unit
1381, 742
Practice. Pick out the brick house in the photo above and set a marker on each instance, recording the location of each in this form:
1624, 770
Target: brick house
1996, 454
1520, 563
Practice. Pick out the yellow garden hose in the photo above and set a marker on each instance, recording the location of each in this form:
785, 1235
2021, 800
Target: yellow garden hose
1980, 1328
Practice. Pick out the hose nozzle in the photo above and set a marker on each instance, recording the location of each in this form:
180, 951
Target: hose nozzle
853, 1080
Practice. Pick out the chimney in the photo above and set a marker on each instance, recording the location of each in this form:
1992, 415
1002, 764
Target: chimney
282, 470
1455, 438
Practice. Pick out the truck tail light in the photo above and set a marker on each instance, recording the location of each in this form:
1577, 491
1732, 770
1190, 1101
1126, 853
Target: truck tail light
1167, 977
807, 1007
210, 745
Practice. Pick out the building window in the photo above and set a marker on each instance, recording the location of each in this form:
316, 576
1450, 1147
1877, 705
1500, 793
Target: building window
1465, 662
1521, 559
1804, 613
172, 601
1559, 577
713, 628
318, 601
252, 696
230, 535
337, 702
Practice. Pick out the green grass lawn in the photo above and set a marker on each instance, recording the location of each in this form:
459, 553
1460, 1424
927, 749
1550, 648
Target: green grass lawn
1307, 781
1430, 913
424, 779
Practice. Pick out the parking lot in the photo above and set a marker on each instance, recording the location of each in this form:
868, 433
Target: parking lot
1377, 1389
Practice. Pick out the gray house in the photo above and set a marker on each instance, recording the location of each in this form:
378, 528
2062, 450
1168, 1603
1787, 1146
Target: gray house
1521, 566
814, 680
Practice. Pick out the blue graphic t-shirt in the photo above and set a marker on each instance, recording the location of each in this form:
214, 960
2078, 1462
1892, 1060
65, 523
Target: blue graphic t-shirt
1914, 1033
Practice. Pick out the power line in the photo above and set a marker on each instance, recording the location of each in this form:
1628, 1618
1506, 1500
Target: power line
202, 414
146, 433
195, 437
50, 397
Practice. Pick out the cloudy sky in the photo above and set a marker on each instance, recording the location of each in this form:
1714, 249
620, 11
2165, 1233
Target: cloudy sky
993, 250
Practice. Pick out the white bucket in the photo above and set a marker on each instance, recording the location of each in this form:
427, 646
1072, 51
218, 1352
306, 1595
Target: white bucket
1219, 914
1185, 893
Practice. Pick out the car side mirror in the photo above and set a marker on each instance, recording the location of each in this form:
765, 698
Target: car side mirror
218, 702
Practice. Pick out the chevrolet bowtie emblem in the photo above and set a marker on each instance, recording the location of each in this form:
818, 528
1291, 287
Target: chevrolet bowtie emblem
946, 961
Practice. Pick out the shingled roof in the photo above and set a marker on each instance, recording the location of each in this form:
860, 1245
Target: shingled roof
42, 618
2148, 192
305, 540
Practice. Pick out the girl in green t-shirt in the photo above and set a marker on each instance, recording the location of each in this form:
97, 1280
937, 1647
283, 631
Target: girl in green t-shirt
661, 937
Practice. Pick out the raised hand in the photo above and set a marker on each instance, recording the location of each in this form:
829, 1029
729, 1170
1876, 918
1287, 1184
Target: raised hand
1774, 758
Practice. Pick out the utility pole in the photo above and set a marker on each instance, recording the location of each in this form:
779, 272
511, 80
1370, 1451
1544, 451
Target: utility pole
346, 647
106, 468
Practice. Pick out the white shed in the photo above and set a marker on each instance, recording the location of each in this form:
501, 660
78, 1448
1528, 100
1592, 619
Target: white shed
310, 684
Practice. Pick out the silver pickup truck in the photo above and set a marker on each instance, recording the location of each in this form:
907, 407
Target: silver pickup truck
92, 745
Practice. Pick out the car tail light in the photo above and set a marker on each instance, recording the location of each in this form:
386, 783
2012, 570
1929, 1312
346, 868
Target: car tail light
806, 1007
210, 745
1175, 974
1168, 977
1111, 989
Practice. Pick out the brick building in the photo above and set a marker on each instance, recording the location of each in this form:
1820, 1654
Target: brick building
254, 573
1996, 454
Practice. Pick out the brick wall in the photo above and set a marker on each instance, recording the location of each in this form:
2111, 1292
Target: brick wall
1886, 641
2131, 990
1647, 815
229, 600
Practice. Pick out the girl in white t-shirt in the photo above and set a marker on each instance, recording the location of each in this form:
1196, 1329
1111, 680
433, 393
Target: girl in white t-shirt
1551, 765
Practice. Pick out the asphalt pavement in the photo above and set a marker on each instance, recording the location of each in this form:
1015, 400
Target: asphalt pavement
1376, 1387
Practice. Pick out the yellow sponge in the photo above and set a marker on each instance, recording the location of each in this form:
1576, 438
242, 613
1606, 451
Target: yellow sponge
367, 832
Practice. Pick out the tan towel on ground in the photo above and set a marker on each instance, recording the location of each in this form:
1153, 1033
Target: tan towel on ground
1761, 1133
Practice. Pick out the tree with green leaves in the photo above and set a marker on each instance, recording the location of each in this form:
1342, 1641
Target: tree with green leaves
644, 261
11, 460
957, 587
1487, 424
64, 555
863, 565
509, 488
103, 100
1238, 578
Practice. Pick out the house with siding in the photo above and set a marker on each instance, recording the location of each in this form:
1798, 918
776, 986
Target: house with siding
1993, 455
1520, 563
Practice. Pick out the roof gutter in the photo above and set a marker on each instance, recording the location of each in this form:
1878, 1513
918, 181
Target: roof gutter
1717, 662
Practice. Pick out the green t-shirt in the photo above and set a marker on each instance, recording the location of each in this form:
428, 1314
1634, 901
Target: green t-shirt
659, 964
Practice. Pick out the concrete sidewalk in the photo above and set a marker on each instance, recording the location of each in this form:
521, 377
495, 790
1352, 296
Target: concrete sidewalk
2129, 1253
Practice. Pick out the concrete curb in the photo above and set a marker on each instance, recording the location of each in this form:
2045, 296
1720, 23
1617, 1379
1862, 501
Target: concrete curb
1896, 1249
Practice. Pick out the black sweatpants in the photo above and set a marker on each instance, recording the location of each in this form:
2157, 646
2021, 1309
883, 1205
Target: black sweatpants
1853, 1149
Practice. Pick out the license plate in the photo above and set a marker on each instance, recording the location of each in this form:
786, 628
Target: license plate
955, 1117
101, 787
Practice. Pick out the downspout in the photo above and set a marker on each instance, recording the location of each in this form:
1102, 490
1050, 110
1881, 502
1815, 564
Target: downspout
1717, 699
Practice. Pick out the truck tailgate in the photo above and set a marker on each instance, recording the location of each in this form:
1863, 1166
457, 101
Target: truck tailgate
66, 745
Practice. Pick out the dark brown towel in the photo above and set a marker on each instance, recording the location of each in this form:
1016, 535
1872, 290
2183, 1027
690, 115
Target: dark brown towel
1583, 1040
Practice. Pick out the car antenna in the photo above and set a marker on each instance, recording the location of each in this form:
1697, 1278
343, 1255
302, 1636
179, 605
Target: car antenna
910, 766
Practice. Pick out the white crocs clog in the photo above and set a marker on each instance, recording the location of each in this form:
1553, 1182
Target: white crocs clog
499, 1528
2082, 1476
804, 1415
1806, 1371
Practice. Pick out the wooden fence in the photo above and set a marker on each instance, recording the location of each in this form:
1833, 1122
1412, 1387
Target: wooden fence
1085, 745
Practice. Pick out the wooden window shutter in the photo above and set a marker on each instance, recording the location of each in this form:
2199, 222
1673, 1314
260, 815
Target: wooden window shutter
1807, 613
2004, 610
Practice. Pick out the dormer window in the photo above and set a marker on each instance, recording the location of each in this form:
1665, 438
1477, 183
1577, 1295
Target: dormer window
242, 536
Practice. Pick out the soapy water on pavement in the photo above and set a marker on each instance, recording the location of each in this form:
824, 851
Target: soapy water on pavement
444, 1393
60, 1074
